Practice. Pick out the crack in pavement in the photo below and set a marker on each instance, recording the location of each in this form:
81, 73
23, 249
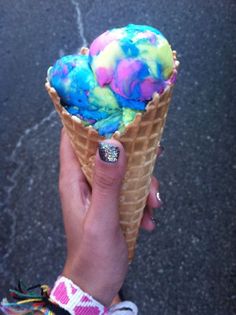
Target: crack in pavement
80, 25
19, 164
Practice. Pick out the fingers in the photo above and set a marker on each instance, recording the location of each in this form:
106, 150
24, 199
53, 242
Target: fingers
69, 164
109, 171
153, 201
147, 222
74, 189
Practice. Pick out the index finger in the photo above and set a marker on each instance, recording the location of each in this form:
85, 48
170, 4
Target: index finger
69, 164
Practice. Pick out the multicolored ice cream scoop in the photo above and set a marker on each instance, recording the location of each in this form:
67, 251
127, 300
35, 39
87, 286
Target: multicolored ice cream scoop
107, 87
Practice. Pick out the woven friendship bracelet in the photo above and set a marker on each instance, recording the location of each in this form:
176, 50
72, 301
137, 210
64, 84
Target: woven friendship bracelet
74, 300
71, 298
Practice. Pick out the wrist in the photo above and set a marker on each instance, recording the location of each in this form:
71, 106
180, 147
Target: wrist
94, 288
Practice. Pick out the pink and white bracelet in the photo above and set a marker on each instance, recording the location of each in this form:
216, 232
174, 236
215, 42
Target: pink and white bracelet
74, 300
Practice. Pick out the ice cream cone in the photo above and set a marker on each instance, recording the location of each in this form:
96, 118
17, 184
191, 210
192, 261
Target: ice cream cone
140, 140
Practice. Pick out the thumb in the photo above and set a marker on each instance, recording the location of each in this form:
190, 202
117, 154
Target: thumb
109, 172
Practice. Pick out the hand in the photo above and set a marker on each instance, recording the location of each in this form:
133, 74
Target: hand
97, 257
96, 250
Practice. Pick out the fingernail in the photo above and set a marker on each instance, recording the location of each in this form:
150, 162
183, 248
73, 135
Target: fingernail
108, 152
159, 198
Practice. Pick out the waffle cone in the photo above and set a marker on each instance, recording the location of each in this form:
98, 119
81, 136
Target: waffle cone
140, 140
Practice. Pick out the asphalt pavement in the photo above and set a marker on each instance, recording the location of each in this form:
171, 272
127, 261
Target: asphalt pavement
188, 265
